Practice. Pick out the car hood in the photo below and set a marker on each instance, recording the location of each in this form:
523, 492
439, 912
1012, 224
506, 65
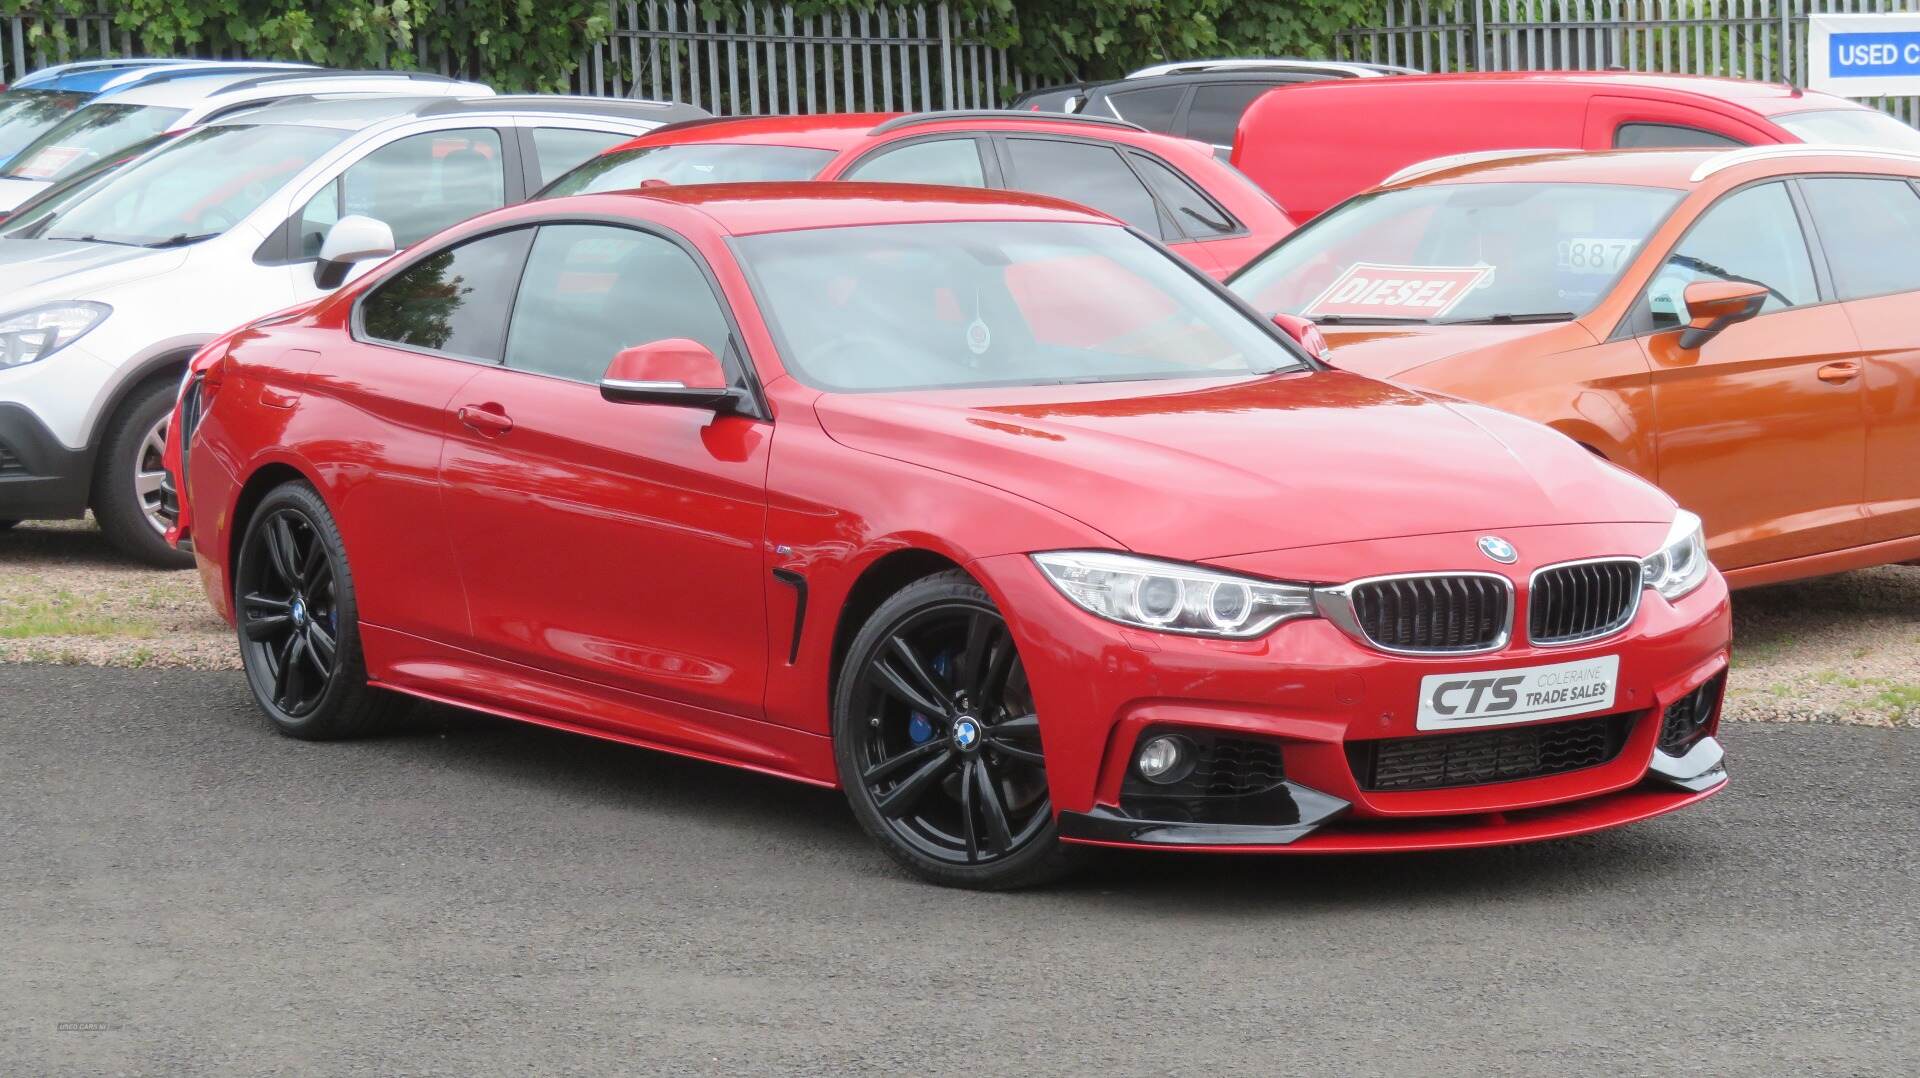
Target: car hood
1392, 351
1196, 470
14, 191
38, 271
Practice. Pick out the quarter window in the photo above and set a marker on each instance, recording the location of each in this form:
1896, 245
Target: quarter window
1085, 173
1193, 213
1152, 108
1751, 236
1214, 115
1669, 136
954, 162
1871, 230
592, 290
417, 185
454, 300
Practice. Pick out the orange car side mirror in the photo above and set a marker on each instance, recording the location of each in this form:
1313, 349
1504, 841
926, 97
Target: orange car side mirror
1715, 305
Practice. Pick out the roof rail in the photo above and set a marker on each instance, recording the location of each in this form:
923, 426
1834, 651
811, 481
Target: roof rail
1276, 63
329, 73
915, 119
50, 73
626, 108
1455, 160
1720, 162
154, 76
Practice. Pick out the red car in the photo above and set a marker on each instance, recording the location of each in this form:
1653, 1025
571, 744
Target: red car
981, 507
1173, 189
1365, 130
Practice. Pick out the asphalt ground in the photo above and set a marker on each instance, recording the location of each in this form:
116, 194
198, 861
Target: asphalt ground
184, 892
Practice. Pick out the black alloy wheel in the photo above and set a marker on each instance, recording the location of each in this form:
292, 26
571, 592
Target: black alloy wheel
939, 744
297, 622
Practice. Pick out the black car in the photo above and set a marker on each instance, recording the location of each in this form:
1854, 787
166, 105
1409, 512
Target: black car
1200, 99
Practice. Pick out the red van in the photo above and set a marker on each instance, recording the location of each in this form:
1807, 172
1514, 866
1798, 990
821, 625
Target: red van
1363, 130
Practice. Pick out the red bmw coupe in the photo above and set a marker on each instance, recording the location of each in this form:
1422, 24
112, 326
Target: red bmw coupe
979, 506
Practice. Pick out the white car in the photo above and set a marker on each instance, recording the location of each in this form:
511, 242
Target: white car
179, 98
112, 282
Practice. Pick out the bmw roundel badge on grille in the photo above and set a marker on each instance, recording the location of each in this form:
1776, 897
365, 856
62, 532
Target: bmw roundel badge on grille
1498, 549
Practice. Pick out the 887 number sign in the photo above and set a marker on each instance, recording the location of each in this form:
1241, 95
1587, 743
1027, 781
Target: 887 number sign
1595, 254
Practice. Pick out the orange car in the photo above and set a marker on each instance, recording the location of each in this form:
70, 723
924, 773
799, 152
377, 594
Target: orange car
1741, 327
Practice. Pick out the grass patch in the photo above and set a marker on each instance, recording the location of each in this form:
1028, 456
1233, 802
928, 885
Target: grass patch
1900, 699
64, 614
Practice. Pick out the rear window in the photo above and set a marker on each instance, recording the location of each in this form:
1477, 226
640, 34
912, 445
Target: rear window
1851, 127
690, 162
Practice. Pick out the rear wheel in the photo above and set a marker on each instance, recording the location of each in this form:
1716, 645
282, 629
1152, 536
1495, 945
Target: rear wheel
126, 486
298, 622
938, 743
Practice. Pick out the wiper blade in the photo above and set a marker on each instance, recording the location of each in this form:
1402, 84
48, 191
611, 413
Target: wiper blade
1512, 319
89, 238
180, 240
1365, 320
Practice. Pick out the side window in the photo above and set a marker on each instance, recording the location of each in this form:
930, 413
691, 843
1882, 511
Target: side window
1152, 108
1082, 172
558, 149
1751, 236
951, 161
422, 183
591, 290
1193, 213
1215, 113
1669, 136
1871, 230
454, 300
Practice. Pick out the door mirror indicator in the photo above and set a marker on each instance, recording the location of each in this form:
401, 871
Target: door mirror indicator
1305, 334
674, 371
1714, 305
352, 239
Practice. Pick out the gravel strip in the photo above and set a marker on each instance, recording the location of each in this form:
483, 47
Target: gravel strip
1841, 649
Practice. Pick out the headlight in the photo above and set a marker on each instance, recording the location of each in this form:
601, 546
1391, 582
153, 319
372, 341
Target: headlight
1172, 598
1680, 565
39, 332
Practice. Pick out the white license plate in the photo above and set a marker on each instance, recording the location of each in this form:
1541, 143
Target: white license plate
1528, 694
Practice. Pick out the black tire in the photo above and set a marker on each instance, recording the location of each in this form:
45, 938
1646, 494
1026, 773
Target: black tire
119, 504
956, 806
293, 594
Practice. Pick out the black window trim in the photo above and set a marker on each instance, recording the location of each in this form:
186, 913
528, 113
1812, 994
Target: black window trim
737, 359
1637, 321
1125, 150
990, 168
282, 245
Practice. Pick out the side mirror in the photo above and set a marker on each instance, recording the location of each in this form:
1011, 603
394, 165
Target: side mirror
673, 371
1714, 305
352, 238
1306, 335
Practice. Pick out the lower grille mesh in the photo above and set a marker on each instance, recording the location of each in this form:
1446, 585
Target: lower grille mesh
1439, 761
1687, 718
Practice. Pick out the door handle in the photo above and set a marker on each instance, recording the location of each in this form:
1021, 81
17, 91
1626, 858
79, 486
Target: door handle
488, 419
1839, 373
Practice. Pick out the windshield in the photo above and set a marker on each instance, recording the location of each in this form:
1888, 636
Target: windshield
87, 136
936, 306
193, 188
692, 162
1851, 127
1459, 253
26, 114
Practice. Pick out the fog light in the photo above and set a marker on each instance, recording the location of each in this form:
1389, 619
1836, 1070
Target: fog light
1165, 759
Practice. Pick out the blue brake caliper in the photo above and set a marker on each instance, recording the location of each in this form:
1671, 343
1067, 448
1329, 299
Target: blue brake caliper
919, 727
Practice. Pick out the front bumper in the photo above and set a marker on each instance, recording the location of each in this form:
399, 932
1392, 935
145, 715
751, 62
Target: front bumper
1329, 706
40, 479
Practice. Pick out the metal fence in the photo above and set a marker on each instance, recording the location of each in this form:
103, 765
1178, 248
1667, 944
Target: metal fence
767, 59
762, 58
1749, 39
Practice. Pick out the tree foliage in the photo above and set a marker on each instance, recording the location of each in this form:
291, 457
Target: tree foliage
537, 44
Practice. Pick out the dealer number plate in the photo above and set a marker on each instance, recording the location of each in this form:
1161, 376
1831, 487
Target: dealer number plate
1528, 694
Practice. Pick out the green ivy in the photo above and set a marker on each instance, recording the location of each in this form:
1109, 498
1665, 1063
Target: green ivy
537, 44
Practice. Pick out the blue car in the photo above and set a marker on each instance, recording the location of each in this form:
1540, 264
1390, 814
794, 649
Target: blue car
37, 101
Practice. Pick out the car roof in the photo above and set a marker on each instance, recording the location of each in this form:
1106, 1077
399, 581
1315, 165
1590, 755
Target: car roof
1679, 169
1766, 98
745, 209
192, 87
840, 131
352, 113
95, 76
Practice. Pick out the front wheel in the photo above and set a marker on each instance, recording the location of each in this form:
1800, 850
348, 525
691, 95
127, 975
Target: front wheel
938, 744
126, 487
298, 622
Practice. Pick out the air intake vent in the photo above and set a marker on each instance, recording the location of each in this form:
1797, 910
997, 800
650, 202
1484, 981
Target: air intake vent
10, 463
1582, 601
1437, 613
1439, 761
1687, 718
